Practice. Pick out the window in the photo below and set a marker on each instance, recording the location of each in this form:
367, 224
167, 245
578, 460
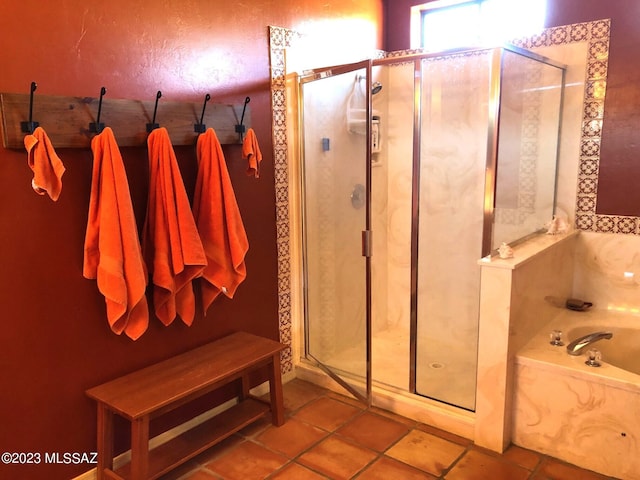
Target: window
446, 24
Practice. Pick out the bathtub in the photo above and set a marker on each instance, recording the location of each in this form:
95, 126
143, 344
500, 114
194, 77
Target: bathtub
584, 415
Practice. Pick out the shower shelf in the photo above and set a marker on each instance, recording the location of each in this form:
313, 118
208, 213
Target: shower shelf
357, 120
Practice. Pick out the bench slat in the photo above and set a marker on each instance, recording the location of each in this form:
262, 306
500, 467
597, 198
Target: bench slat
166, 383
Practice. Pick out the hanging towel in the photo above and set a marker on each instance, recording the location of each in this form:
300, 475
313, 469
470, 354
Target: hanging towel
219, 223
170, 244
45, 163
112, 252
251, 152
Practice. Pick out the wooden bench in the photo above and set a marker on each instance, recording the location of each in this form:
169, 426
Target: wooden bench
148, 393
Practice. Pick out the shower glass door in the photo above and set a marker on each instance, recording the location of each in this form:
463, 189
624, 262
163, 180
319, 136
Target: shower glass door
335, 105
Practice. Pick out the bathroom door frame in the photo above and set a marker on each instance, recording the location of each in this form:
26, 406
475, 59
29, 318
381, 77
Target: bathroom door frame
314, 76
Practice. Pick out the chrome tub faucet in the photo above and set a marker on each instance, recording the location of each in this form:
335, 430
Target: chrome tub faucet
576, 347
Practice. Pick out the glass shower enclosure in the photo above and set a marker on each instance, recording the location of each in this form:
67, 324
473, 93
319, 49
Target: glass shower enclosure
414, 168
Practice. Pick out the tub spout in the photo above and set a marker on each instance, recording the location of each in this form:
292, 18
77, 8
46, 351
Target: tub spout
575, 347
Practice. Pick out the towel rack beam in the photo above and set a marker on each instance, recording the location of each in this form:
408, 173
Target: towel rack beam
66, 120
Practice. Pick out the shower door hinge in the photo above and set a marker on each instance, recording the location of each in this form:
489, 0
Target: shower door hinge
366, 243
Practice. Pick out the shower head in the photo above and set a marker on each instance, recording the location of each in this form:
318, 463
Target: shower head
375, 87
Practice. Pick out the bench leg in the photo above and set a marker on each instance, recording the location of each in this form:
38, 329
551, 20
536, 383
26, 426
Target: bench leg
105, 440
275, 390
245, 387
139, 448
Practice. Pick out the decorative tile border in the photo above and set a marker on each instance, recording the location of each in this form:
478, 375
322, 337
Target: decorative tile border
279, 40
595, 33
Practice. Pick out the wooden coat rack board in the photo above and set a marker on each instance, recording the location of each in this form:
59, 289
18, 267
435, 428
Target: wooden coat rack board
66, 119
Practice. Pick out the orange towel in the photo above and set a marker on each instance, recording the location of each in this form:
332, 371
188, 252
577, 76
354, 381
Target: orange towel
112, 252
45, 163
219, 223
170, 243
251, 152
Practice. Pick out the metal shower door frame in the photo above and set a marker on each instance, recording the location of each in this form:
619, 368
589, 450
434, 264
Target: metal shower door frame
319, 75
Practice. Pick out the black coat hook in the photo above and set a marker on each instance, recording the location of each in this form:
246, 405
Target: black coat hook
240, 128
30, 126
97, 127
201, 127
153, 125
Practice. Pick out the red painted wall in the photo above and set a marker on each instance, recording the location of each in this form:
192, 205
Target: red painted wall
618, 192
55, 341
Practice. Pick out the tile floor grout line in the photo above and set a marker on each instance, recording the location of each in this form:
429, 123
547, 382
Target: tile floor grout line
537, 472
366, 467
289, 463
446, 471
302, 452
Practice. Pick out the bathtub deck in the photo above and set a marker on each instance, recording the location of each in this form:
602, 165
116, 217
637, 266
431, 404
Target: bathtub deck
540, 354
583, 415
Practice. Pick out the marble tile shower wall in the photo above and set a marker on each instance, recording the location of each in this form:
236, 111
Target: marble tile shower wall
607, 271
391, 183
453, 160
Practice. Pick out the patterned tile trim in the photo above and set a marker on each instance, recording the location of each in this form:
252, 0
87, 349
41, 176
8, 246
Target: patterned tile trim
279, 40
595, 33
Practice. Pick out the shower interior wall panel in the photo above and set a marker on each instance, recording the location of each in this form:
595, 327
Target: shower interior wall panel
391, 212
391, 196
454, 126
397, 141
379, 219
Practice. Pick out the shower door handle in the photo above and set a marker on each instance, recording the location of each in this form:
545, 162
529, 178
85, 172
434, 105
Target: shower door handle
366, 243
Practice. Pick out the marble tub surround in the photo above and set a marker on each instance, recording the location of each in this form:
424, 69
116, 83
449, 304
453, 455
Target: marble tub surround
584, 415
608, 271
512, 309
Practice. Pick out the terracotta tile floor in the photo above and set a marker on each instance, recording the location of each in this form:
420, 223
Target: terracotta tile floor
329, 436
